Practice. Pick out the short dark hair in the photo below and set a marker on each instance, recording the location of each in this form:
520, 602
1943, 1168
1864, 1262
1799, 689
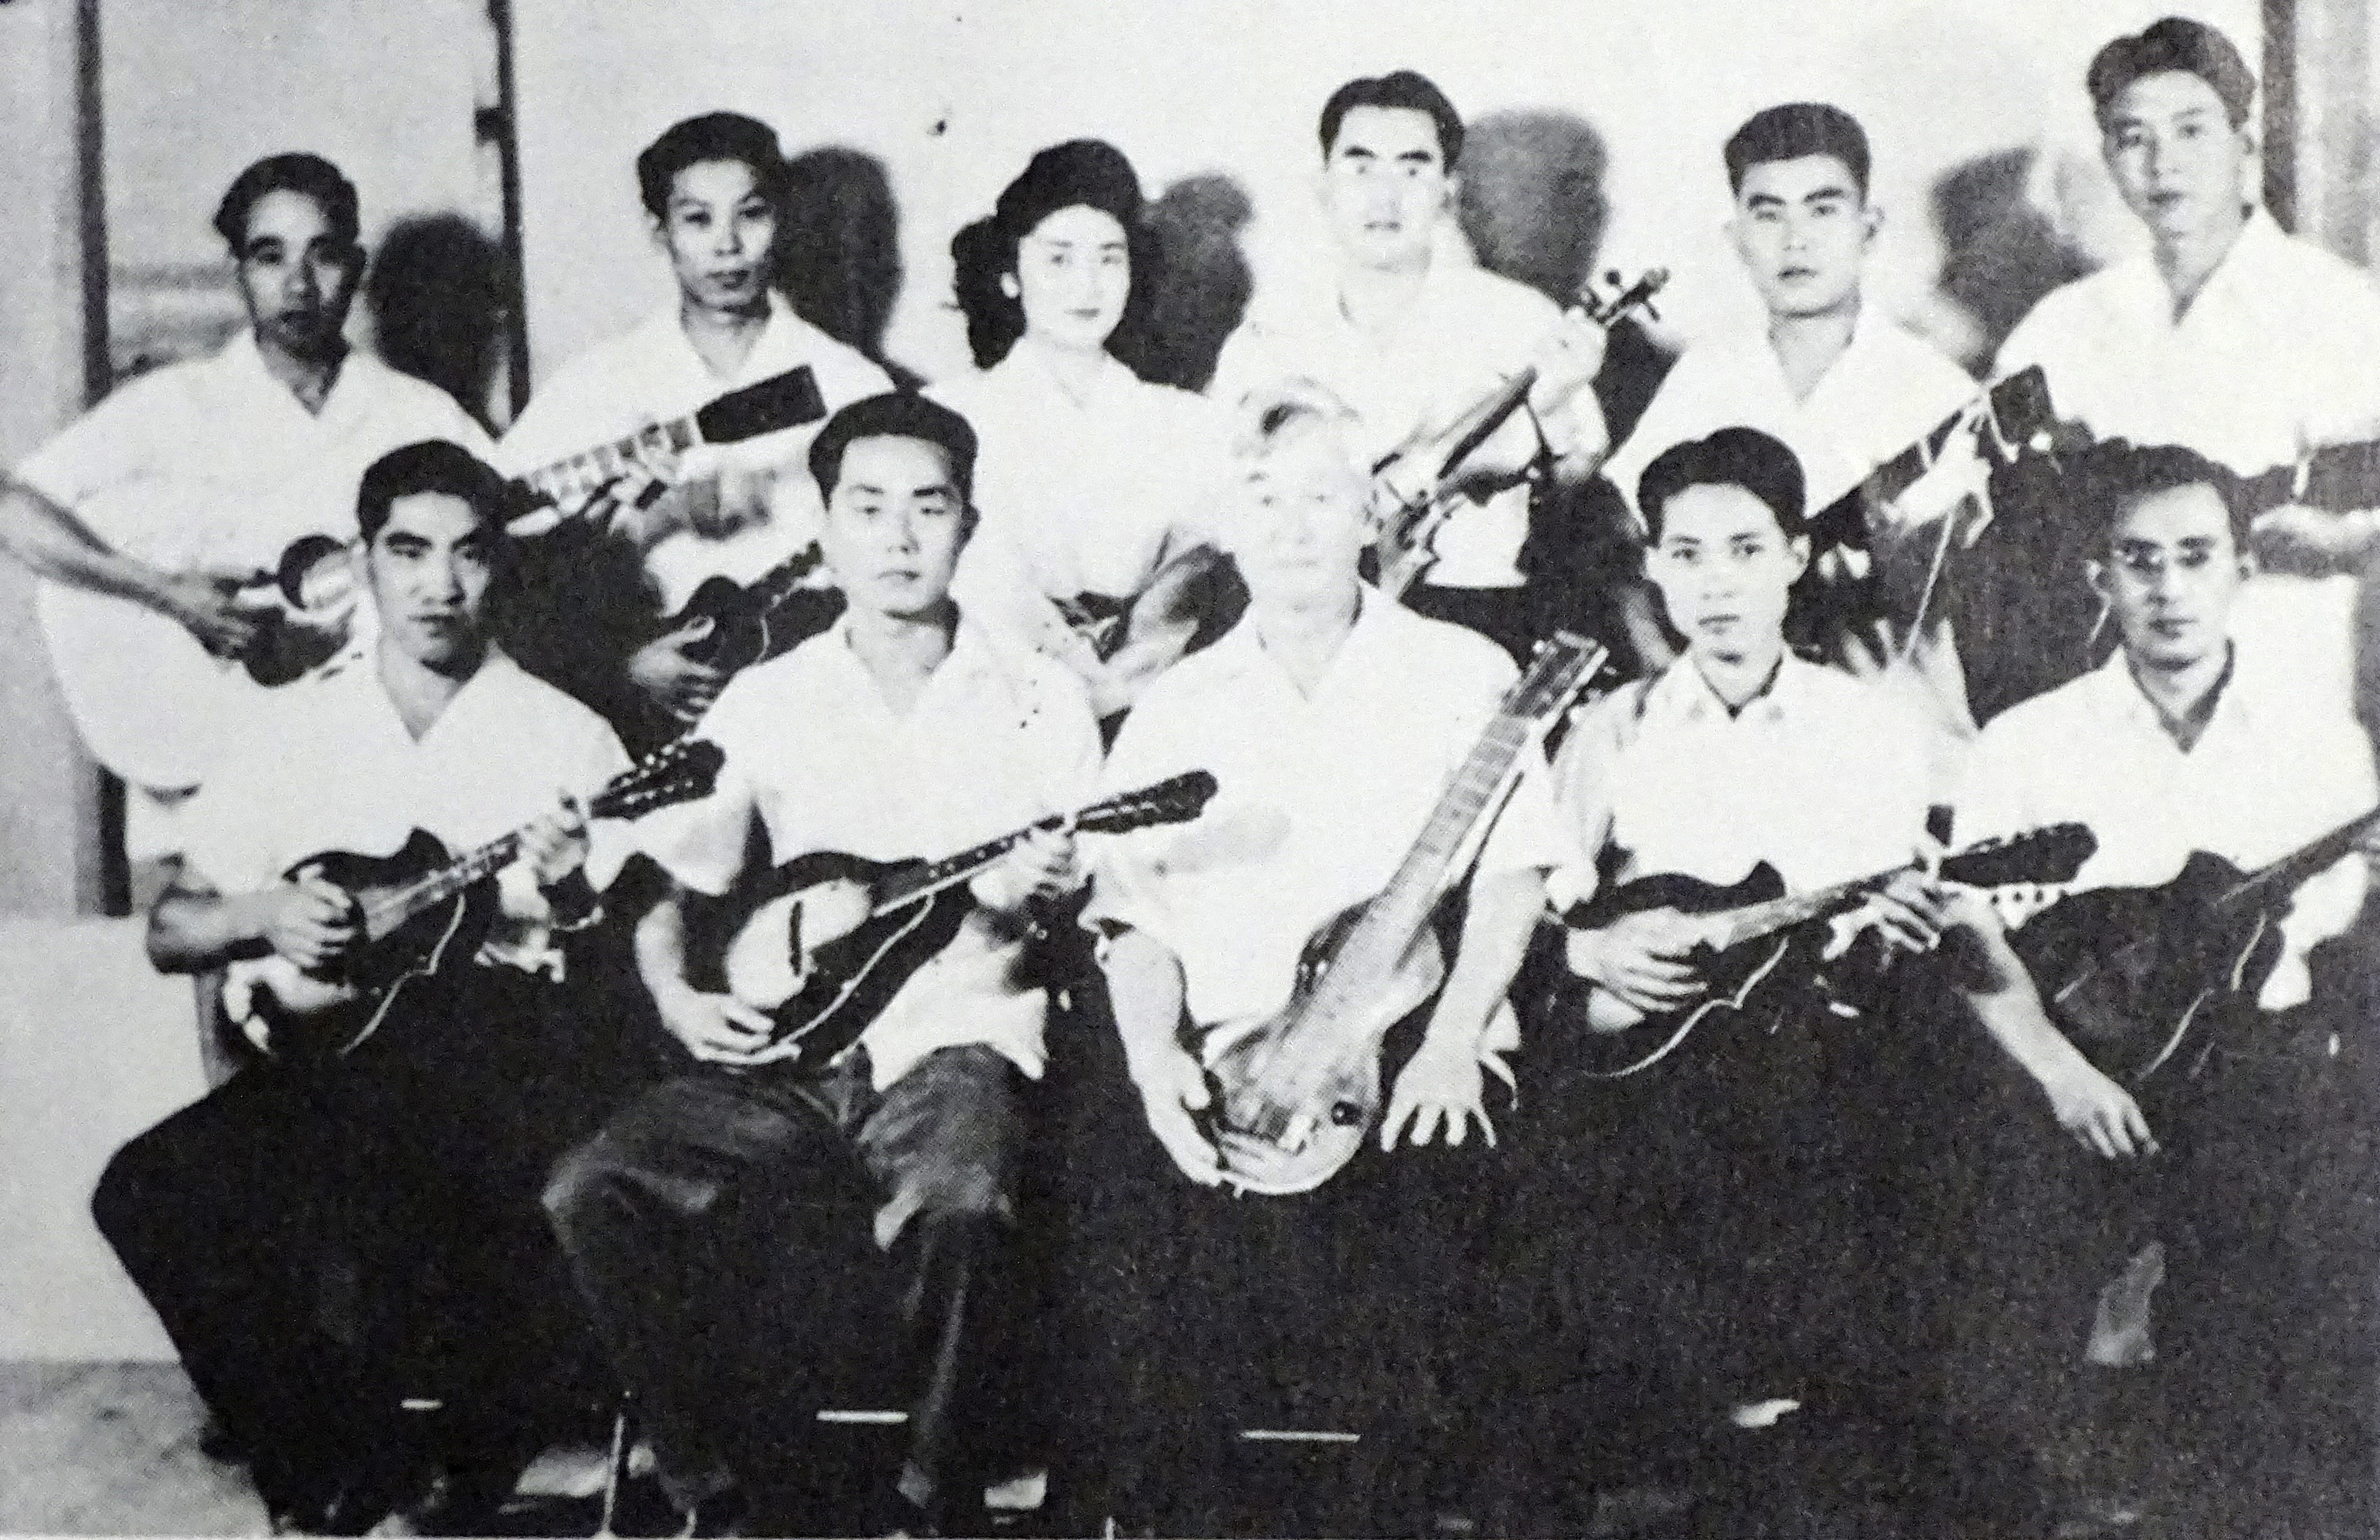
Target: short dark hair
2174, 43
894, 415
711, 137
297, 172
434, 465
1793, 131
1084, 173
2113, 474
1407, 89
1744, 457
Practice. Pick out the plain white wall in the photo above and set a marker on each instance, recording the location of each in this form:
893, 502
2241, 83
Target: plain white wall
954, 95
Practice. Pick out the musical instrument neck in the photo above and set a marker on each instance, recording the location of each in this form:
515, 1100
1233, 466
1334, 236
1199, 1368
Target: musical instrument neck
2269, 886
1736, 926
2338, 477
578, 475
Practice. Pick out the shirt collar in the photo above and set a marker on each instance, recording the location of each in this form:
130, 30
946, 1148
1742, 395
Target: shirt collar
1682, 696
243, 362
493, 681
2119, 691
1240, 652
1029, 364
972, 658
784, 335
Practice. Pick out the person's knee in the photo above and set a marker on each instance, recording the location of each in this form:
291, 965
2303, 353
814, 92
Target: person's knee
130, 1192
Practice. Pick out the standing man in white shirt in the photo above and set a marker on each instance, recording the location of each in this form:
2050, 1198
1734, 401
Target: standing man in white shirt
2226, 335
420, 1154
211, 467
1410, 342
1843, 387
713, 189
2173, 746
939, 741
1331, 720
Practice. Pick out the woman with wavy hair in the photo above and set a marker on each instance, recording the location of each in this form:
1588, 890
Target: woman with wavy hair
1092, 482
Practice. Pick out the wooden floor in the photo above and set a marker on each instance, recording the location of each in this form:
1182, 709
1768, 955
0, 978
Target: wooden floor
113, 1449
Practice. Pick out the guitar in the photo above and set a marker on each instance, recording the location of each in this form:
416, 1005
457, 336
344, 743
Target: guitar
155, 707
2135, 975
751, 623
1418, 487
1751, 937
1298, 1091
424, 911
824, 943
770, 405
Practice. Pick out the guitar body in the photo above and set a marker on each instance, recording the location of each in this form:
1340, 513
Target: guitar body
807, 951
1603, 1038
151, 704
2136, 976
1277, 1148
315, 1017
754, 622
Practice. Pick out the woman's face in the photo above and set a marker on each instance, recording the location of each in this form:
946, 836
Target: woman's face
1074, 273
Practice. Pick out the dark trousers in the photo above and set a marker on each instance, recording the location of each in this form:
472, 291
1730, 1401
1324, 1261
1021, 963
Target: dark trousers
1185, 1314
408, 1170
2242, 1194
641, 1212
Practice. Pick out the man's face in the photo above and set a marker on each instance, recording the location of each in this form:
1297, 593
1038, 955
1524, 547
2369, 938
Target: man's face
895, 525
1073, 274
2179, 165
430, 567
1298, 527
2170, 575
719, 230
1803, 230
1724, 569
297, 276
1384, 185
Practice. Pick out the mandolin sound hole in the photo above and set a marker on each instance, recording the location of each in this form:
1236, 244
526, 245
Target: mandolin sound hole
1346, 1114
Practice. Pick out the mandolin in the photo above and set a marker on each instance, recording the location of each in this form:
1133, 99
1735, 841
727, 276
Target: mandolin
1418, 487
424, 911
1298, 1091
2135, 975
823, 943
1755, 943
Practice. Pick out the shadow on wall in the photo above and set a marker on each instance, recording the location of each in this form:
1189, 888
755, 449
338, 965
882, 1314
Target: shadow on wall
2000, 254
839, 249
437, 294
1203, 288
1531, 204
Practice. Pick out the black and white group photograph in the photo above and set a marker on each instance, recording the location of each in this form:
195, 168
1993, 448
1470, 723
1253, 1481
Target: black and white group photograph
1081, 769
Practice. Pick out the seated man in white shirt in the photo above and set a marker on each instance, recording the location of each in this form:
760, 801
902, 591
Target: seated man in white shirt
183, 486
1332, 721
2176, 746
420, 1153
712, 188
2227, 335
1411, 340
1694, 1223
936, 742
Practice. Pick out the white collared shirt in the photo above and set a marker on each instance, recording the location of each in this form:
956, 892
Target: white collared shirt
651, 373
1318, 797
330, 766
1468, 330
2275, 354
214, 462
1886, 391
2272, 770
1822, 776
1076, 495
2278, 352
996, 740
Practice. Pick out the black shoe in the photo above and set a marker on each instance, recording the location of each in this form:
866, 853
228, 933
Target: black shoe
351, 1504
